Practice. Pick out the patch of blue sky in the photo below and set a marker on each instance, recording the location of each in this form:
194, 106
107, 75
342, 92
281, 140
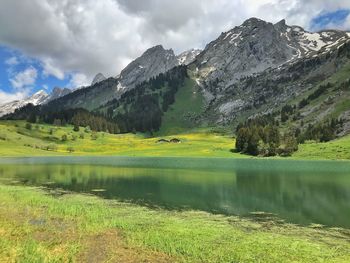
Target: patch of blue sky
330, 20
13, 62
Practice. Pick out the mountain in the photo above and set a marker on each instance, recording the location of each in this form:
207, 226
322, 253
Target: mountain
98, 78
150, 64
36, 99
187, 57
154, 61
56, 93
257, 45
253, 69
260, 67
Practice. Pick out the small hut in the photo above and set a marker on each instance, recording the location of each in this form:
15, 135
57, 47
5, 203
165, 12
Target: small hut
175, 140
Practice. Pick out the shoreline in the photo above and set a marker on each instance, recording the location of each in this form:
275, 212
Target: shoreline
243, 158
156, 235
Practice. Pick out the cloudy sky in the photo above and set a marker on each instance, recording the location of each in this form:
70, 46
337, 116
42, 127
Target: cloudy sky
48, 43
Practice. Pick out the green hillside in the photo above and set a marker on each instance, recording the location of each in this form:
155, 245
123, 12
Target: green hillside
333, 101
182, 115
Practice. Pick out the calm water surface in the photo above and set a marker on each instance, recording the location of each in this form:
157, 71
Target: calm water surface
301, 192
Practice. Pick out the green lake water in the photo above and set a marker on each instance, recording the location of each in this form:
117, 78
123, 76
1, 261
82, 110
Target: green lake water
301, 192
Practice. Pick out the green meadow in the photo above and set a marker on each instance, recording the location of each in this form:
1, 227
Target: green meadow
42, 140
333, 150
46, 140
37, 226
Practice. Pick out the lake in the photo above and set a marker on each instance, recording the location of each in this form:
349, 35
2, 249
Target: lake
301, 192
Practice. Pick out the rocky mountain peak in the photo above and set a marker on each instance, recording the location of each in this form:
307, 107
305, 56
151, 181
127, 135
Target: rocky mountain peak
151, 63
56, 93
38, 97
281, 25
245, 50
256, 46
56, 90
253, 22
98, 78
157, 48
187, 57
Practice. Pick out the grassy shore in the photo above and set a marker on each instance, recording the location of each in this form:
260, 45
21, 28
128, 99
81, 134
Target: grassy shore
17, 141
333, 150
39, 227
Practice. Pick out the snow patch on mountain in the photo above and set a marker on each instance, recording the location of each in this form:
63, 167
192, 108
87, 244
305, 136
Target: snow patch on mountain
36, 99
187, 57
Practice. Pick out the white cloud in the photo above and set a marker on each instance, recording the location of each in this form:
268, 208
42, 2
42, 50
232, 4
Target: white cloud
7, 97
50, 69
78, 80
24, 79
85, 36
346, 24
12, 61
299, 12
89, 36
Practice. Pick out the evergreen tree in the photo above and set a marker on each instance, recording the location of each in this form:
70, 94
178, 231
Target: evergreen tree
76, 128
28, 126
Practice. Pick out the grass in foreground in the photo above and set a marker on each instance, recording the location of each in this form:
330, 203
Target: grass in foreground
37, 227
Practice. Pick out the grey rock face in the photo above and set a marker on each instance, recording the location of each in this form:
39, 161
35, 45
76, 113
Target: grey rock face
257, 67
57, 93
274, 87
154, 61
257, 45
98, 78
187, 57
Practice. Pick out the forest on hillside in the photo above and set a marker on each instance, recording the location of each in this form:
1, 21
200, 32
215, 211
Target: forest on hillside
137, 110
